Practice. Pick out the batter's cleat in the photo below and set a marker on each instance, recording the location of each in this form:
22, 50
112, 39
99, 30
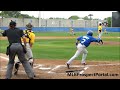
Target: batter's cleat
84, 64
68, 66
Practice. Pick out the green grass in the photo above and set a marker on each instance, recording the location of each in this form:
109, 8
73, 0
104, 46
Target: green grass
116, 34
64, 49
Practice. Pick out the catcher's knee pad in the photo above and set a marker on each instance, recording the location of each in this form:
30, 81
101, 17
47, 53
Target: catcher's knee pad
31, 64
31, 61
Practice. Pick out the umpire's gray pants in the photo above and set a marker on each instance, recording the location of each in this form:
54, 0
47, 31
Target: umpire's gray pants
16, 48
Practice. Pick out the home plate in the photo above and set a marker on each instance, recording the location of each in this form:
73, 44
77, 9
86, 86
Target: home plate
42, 68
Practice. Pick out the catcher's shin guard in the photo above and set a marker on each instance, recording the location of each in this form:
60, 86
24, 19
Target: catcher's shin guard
31, 62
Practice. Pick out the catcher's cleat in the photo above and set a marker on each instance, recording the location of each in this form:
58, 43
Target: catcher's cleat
68, 66
17, 65
16, 72
34, 75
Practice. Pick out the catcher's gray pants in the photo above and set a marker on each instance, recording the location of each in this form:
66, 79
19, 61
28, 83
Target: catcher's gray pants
29, 54
16, 48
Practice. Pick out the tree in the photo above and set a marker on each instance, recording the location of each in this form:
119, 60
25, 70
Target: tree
74, 17
26, 16
109, 19
14, 14
51, 18
90, 16
56, 18
86, 18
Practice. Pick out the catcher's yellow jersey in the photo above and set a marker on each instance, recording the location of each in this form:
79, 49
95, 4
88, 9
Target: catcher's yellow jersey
30, 36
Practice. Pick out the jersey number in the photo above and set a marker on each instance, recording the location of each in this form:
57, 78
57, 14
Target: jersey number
83, 40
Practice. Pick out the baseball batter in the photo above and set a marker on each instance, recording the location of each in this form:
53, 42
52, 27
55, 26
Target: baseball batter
30, 39
82, 43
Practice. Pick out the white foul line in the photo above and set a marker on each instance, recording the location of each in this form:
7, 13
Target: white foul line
38, 66
83, 70
56, 67
4, 58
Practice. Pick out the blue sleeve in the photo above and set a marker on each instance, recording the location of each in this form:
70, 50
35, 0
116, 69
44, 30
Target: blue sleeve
79, 38
94, 40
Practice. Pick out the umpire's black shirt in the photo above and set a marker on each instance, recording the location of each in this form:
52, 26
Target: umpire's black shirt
14, 35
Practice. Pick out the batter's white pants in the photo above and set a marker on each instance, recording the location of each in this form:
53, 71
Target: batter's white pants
100, 34
29, 54
81, 49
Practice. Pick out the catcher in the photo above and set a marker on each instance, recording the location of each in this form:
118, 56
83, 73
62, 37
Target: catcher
30, 38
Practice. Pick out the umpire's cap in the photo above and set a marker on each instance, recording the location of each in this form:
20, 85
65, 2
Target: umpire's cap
12, 23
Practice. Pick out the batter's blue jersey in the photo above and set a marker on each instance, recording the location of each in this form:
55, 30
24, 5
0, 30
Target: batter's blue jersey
86, 40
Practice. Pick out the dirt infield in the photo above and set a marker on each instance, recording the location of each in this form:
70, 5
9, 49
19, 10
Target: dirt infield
56, 69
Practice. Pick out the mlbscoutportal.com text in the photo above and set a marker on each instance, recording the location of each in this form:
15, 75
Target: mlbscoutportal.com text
93, 74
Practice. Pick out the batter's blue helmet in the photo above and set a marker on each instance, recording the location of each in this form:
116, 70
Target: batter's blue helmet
90, 33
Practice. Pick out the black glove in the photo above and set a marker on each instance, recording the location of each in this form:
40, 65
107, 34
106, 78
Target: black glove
8, 50
76, 44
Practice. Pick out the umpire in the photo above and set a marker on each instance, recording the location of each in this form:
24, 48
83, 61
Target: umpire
15, 48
